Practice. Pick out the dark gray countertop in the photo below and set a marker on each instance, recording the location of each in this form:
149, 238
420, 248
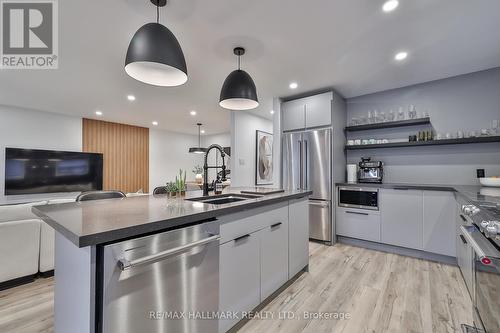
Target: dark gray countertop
475, 194
102, 221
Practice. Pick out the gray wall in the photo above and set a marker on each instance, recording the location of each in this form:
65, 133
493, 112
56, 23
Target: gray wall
467, 102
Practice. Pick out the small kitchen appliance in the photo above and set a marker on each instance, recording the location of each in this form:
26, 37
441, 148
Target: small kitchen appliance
370, 171
352, 173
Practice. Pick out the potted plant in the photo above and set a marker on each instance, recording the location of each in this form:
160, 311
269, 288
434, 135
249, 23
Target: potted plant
198, 171
171, 189
180, 182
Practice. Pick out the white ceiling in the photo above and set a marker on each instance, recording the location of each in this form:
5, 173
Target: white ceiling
348, 45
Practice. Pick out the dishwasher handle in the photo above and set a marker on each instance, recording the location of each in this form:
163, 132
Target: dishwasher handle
125, 264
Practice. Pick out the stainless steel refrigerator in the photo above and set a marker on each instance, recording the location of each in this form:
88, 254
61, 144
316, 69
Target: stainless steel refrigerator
307, 164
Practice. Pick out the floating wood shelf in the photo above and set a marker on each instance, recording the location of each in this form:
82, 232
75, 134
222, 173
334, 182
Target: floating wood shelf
389, 124
482, 139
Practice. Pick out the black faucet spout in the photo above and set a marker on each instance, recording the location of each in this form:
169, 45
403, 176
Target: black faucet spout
206, 166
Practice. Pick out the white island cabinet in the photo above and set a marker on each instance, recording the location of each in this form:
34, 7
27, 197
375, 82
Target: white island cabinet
260, 251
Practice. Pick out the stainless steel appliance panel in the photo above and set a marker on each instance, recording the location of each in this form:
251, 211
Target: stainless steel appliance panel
150, 283
486, 280
292, 161
320, 226
317, 152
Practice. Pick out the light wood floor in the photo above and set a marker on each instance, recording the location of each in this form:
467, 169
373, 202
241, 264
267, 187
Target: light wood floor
374, 291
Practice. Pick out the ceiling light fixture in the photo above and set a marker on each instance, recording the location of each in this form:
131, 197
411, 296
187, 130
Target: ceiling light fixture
202, 131
390, 5
193, 113
99, 113
154, 55
271, 112
239, 91
293, 85
131, 98
155, 123
199, 149
401, 56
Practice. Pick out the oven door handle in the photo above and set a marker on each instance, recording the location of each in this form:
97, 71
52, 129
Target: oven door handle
484, 250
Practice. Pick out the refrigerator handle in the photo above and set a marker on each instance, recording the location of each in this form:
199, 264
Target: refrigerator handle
306, 157
300, 166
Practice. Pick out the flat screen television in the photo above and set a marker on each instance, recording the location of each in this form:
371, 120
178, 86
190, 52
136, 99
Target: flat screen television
32, 171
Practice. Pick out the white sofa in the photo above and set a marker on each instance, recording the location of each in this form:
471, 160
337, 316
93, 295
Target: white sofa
19, 241
26, 242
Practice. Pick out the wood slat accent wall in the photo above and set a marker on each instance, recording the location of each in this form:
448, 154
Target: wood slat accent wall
126, 153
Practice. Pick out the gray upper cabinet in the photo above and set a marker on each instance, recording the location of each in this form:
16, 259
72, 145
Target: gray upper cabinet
307, 112
439, 222
319, 110
294, 115
401, 213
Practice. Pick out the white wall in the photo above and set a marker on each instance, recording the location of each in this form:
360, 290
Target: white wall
169, 152
23, 128
222, 139
243, 137
465, 103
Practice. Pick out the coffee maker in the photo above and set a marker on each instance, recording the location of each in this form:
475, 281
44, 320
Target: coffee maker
370, 171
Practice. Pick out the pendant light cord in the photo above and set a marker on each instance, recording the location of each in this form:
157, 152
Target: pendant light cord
157, 12
239, 62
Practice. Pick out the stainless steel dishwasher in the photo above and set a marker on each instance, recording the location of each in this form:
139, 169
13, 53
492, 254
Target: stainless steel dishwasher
167, 282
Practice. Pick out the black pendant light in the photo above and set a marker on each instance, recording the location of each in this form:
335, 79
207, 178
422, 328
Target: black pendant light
155, 56
239, 91
199, 149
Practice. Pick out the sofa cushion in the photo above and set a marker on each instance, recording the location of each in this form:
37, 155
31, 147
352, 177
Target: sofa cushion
19, 212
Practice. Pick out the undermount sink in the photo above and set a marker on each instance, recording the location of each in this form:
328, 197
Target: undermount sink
224, 198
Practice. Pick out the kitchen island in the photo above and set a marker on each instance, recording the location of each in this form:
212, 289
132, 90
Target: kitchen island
152, 263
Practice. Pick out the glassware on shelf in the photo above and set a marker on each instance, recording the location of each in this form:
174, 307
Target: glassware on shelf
370, 117
375, 116
382, 117
425, 114
401, 113
391, 115
412, 112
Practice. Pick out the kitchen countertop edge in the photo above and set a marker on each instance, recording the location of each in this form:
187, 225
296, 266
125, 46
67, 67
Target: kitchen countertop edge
164, 225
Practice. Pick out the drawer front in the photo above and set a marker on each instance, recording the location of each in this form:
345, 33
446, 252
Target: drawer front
357, 223
236, 225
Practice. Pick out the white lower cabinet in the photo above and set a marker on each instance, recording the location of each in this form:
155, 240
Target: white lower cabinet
439, 222
401, 214
298, 235
358, 223
239, 277
254, 255
273, 258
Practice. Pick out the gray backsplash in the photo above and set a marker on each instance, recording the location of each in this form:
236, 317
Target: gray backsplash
467, 102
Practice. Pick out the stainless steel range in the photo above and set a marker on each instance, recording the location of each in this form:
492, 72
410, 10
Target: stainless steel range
481, 232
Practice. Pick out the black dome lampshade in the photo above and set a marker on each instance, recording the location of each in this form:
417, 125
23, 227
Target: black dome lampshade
199, 149
239, 91
154, 55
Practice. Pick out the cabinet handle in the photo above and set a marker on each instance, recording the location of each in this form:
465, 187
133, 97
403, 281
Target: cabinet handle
463, 218
463, 239
276, 225
241, 238
357, 213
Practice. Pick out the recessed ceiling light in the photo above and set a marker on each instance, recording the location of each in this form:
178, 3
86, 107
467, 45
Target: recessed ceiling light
202, 131
99, 113
193, 113
271, 112
401, 56
390, 5
131, 98
293, 85
155, 123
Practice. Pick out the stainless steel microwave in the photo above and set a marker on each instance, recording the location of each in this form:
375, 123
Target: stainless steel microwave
358, 197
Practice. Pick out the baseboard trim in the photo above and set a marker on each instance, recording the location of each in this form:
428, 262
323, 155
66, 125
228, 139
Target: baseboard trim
47, 274
17, 282
268, 300
398, 250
